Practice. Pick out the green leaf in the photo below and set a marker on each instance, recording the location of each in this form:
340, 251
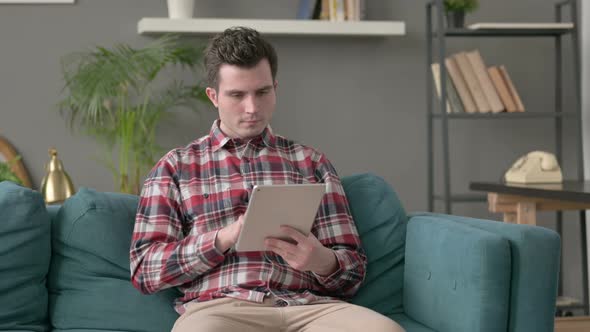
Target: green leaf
6, 174
461, 5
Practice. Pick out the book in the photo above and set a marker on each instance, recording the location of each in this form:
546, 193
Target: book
349, 8
502, 88
337, 12
472, 82
306, 9
508, 25
513, 93
454, 104
325, 10
453, 96
435, 67
487, 87
460, 85
317, 11
340, 11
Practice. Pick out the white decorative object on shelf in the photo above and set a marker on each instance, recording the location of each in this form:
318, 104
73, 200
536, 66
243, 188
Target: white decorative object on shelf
272, 27
507, 25
181, 9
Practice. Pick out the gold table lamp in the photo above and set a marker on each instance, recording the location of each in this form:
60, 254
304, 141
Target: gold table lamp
56, 186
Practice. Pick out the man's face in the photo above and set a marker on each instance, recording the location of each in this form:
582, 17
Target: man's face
246, 99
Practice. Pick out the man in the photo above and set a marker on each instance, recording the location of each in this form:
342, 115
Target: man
191, 212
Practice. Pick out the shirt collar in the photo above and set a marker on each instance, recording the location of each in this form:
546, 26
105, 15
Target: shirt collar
219, 139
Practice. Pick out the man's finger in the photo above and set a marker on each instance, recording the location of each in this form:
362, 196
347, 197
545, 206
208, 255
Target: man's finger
283, 245
293, 233
271, 246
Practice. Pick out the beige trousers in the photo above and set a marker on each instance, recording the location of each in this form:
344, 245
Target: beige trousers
227, 314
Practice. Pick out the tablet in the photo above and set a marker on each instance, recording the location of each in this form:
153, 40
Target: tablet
271, 206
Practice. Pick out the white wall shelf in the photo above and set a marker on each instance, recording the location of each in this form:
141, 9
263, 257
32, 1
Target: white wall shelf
207, 26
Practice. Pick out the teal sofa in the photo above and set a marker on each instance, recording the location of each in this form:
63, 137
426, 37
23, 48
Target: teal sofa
67, 268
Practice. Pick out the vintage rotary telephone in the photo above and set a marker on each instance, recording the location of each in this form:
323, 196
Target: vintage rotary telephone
535, 167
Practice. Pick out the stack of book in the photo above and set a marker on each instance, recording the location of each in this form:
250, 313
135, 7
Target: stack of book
474, 88
332, 10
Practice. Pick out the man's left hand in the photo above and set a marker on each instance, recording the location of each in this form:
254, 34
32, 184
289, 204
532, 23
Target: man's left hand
306, 254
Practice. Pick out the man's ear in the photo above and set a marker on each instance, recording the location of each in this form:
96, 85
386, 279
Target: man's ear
212, 94
276, 84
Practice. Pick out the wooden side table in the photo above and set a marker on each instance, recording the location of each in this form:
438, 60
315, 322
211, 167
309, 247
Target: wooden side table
520, 209
572, 324
519, 204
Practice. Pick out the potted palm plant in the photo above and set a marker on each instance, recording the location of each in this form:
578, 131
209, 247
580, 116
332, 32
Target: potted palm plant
455, 11
110, 95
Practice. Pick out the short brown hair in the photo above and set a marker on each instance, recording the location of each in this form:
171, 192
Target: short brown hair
239, 46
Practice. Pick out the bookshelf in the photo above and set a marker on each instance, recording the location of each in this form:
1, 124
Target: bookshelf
438, 34
208, 26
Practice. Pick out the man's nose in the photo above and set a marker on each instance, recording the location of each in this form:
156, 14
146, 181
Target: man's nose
250, 105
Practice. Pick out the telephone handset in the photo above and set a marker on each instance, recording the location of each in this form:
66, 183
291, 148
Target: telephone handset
535, 167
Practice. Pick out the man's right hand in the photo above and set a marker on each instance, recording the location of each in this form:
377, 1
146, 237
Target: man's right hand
228, 235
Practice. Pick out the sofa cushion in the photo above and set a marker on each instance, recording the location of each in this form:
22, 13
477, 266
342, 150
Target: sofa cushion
89, 278
381, 221
25, 252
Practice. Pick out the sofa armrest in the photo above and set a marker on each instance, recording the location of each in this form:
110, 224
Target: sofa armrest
533, 265
456, 278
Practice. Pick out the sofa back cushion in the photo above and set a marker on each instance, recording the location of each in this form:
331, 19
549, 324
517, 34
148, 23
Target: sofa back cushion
89, 278
25, 252
381, 221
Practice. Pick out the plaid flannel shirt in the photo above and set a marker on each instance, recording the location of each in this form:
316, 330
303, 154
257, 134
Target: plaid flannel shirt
194, 191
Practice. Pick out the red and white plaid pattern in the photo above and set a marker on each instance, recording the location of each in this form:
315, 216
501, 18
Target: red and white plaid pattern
194, 191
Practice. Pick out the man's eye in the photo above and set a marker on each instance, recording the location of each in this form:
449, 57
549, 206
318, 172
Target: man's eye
235, 95
263, 92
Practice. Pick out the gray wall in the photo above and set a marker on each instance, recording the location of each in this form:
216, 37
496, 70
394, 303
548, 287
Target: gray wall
361, 101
